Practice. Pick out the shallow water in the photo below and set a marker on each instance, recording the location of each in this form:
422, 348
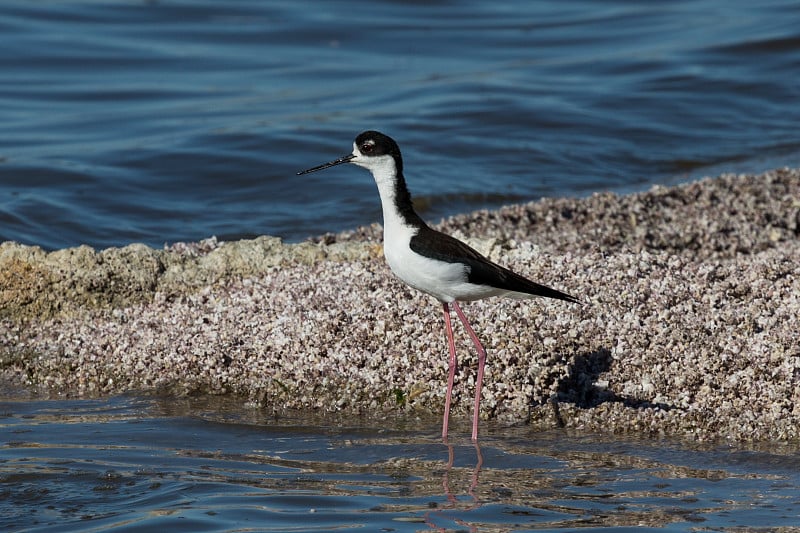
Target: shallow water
161, 121
141, 464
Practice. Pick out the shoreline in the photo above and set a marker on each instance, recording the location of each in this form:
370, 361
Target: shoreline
690, 327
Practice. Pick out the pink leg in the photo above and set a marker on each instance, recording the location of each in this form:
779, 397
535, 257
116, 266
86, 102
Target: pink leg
452, 373
481, 365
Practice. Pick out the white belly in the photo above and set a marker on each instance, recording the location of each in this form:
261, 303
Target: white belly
444, 281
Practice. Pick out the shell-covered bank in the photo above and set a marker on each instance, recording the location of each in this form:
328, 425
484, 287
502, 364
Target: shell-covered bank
690, 324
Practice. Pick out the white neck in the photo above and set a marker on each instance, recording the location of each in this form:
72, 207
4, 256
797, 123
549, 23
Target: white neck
384, 171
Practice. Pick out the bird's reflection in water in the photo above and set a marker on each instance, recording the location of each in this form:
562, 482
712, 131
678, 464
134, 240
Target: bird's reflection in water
440, 514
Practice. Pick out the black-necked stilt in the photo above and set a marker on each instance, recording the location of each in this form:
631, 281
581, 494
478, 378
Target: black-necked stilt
431, 261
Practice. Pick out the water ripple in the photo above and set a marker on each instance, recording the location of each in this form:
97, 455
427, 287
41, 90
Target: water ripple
160, 122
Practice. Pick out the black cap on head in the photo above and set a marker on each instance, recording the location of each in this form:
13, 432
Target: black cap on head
374, 143
370, 144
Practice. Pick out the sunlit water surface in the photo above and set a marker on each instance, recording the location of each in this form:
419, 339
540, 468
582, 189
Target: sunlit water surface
139, 464
160, 121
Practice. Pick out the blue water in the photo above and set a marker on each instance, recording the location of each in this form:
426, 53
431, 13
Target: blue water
135, 464
161, 121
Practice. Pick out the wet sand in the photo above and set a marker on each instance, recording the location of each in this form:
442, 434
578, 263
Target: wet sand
689, 327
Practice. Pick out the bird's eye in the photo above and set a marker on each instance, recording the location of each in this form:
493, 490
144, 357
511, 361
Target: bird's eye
367, 147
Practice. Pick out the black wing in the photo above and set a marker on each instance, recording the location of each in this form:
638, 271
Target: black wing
438, 245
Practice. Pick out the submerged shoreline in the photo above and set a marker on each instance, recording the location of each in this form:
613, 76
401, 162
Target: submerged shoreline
690, 326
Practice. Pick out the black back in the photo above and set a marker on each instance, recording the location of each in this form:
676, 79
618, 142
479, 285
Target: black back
443, 247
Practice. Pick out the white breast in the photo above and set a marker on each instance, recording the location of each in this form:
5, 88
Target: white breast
444, 281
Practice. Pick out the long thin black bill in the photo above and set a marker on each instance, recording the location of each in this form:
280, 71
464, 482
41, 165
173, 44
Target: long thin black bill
339, 161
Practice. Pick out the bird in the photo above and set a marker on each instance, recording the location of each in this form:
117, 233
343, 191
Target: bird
431, 261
